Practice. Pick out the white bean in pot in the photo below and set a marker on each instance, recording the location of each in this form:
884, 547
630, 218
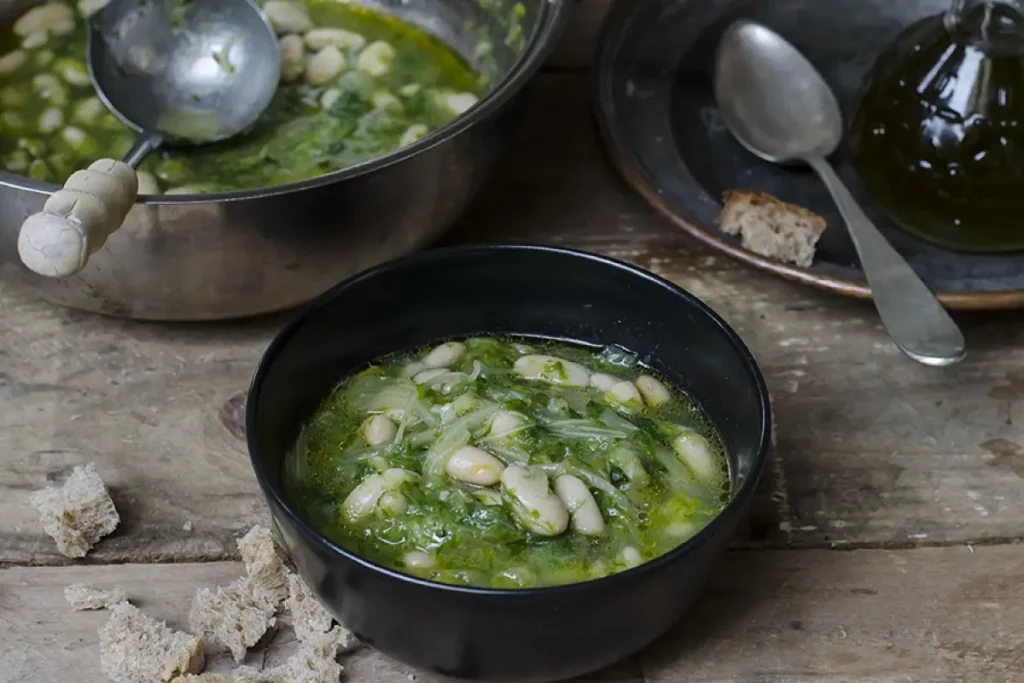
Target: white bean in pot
533, 503
603, 381
412, 134
34, 40
474, 466
364, 497
376, 58
654, 392
52, 17
393, 503
419, 560
287, 17
443, 355
325, 66
12, 61
626, 395
293, 57
504, 423
319, 38
585, 512
632, 557
552, 370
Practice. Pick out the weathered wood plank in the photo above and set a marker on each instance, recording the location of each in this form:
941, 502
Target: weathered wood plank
949, 614
873, 450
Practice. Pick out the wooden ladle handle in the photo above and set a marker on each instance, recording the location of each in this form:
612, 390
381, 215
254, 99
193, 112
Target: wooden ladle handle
78, 218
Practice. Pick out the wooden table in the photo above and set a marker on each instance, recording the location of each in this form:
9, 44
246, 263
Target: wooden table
883, 545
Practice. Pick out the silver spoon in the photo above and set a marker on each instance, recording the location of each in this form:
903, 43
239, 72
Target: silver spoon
780, 108
176, 71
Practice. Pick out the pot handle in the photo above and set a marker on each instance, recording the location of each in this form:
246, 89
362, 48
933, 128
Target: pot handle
78, 218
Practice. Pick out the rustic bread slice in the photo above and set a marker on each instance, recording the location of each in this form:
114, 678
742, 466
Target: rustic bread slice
77, 514
314, 662
135, 648
203, 678
236, 616
82, 597
263, 564
771, 227
310, 618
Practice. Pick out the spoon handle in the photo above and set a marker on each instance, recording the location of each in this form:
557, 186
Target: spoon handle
910, 312
78, 218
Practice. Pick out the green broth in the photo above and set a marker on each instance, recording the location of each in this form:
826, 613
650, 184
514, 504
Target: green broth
429, 523
52, 123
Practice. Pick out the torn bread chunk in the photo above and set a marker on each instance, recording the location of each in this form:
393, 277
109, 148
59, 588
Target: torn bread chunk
203, 678
316, 661
135, 648
309, 617
263, 564
236, 616
82, 597
78, 514
771, 227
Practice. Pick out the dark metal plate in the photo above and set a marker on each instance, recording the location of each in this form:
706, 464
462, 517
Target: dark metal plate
656, 112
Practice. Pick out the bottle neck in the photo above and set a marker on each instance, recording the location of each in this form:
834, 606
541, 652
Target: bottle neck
993, 26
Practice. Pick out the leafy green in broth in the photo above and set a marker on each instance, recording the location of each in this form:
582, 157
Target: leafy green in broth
385, 467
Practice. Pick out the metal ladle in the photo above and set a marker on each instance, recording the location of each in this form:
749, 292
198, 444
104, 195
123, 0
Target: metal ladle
779, 107
176, 71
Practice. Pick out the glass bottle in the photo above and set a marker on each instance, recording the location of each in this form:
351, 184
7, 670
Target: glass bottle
937, 136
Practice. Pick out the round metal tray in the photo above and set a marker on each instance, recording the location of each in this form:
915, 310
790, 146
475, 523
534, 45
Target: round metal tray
656, 113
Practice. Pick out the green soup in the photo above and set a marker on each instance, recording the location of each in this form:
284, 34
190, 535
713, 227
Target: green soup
394, 85
504, 463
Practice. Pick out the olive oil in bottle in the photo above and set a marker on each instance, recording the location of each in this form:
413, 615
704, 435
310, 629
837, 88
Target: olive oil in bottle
938, 132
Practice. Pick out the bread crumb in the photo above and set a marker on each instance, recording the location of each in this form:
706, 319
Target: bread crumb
236, 615
202, 678
82, 597
309, 617
771, 227
263, 564
78, 514
135, 648
187, 526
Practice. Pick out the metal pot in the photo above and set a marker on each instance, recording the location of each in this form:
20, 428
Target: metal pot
243, 253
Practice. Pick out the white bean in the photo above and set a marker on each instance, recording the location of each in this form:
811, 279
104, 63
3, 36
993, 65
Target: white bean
52, 17
148, 183
363, 498
382, 99
552, 370
17, 161
632, 557
320, 38
444, 355
410, 90
427, 375
418, 560
50, 120
375, 59
600, 380
330, 96
412, 134
88, 110
293, 57
287, 17
12, 61
34, 40
325, 66
586, 515
536, 507
379, 429
654, 392
75, 137
72, 71
474, 466
504, 423
393, 503
625, 394
87, 7
458, 102
694, 450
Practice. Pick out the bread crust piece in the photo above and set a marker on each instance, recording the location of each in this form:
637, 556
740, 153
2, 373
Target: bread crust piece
77, 514
236, 616
771, 227
310, 618
81, 597
135, 648
263, 564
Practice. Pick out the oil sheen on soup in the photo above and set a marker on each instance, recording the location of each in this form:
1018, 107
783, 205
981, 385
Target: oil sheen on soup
508, 463
355, 84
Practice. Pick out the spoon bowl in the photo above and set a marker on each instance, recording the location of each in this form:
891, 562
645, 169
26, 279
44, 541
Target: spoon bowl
779, 107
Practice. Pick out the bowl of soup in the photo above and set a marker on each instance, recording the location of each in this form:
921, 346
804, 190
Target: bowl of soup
507, 462
388, 117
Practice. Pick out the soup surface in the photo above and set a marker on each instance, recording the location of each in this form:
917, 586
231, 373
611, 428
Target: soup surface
356, 84
508, 463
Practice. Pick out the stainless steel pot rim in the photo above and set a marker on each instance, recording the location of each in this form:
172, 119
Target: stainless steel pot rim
556, 13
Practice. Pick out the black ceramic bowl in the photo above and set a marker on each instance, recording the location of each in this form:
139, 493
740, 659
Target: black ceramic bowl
506, 635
